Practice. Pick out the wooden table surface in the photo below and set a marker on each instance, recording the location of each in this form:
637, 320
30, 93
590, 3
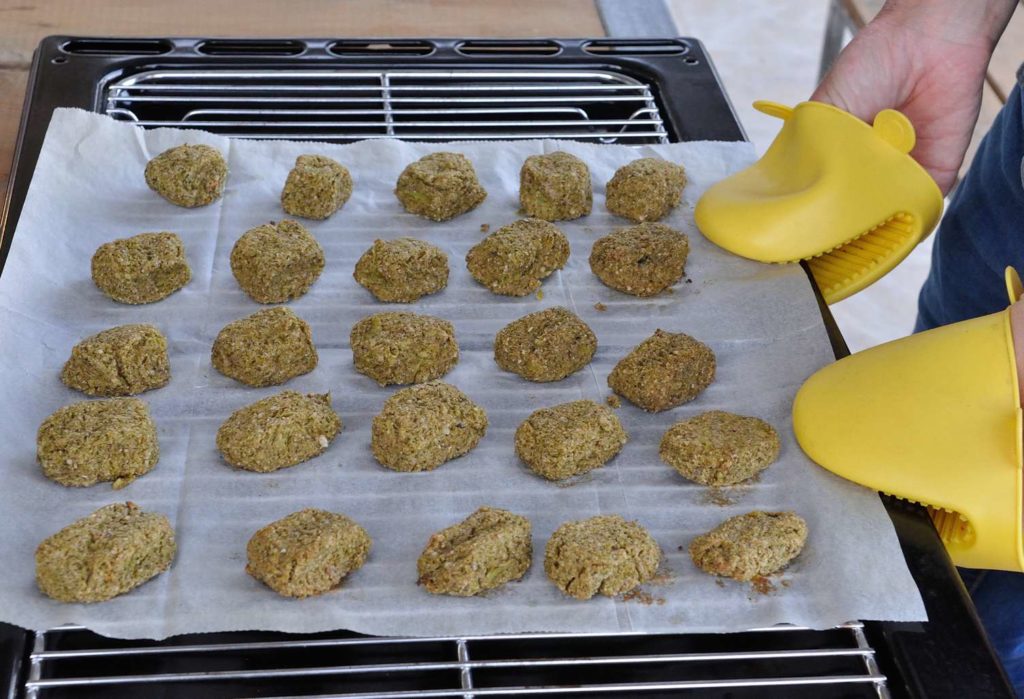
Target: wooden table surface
24, 22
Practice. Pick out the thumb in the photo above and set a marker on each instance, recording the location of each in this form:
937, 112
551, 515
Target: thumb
840, 91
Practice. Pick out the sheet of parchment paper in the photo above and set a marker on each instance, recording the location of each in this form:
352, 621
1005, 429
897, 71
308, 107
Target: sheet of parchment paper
761, 321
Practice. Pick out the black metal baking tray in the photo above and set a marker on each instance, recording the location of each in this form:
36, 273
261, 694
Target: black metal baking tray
945, 657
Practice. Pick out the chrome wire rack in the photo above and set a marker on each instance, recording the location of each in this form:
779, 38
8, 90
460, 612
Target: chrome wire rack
778, 661
423, 105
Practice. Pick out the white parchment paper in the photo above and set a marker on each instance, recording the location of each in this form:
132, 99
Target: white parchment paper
760, 320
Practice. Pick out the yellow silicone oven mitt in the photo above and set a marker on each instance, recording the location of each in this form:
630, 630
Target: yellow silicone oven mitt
831, 189
934, 418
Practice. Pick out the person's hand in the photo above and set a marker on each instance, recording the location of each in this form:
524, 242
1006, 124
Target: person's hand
927, 59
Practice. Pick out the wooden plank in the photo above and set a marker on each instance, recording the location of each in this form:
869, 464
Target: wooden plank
1008, 56
990, 106
12, 86
23, 24
862, 11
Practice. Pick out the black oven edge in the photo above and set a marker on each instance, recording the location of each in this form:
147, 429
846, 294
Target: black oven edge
948, 656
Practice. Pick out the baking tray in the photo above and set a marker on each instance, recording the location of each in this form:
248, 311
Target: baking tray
947, 656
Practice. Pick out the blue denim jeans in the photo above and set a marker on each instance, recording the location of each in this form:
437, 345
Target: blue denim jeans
981, 233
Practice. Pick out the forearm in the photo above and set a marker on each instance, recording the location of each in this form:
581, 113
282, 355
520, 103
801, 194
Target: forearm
965, 22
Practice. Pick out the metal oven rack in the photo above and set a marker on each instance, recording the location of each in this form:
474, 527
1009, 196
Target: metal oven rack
425, 105
607, 91
787, 660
